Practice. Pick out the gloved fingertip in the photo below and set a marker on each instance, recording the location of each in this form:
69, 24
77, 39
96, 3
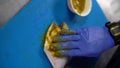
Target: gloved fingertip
59, 39
66, 32
57, 46
62, 53
59, 54
53, 47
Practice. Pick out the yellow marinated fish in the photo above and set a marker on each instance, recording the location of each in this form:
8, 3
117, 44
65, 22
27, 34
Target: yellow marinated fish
53, 31
79, 5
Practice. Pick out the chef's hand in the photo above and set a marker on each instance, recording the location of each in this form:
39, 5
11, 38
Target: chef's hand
87, 42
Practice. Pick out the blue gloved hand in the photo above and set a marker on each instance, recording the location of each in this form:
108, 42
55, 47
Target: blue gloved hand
88, 42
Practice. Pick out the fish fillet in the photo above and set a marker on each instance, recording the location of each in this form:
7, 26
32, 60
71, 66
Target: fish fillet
53, 31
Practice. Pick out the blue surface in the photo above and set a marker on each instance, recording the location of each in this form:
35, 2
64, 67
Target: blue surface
21, 38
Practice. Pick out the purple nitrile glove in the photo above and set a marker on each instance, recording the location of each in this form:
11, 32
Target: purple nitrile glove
88, 42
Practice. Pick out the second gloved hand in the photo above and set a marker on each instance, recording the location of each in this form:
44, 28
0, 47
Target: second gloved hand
88, 42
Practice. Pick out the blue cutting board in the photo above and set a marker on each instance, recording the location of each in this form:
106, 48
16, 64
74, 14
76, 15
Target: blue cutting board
21, 38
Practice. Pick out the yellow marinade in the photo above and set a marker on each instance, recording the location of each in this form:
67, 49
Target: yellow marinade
79, 5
